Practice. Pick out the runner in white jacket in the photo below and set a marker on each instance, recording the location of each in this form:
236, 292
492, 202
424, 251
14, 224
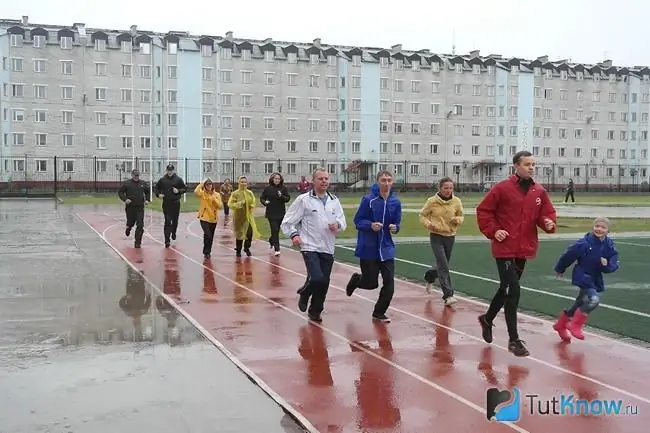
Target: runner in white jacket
312, 222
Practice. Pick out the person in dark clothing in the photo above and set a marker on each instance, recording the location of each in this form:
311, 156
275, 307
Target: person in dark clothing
274, 198
137, 300
509, 215
135, 194
170, 188
379, 217
569, 192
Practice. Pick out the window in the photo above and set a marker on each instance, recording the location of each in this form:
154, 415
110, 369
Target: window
67, 140
66, 92
66, 43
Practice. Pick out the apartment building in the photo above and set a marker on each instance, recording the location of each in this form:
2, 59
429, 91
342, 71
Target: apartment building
234, 106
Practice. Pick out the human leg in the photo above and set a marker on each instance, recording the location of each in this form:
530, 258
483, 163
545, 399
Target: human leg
589, 302
131, 214
314, 278
139, 225
168, 215
274, 240
321, 286
368, 279
208, 237
175, 210
248, 241
442, 247
387, 269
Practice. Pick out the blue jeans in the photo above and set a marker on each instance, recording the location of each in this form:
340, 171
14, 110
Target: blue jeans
319, 270
587, 301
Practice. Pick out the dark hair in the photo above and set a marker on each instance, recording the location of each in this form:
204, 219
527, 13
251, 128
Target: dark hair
384, 173
519, 155
276, 174
444, 180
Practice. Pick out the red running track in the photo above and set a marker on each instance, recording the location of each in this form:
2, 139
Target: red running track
426, 371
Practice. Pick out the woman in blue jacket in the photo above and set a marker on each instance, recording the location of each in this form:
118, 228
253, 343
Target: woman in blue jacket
595, 255
377, 219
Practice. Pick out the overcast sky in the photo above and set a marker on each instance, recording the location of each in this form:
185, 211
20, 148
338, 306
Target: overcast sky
581, 30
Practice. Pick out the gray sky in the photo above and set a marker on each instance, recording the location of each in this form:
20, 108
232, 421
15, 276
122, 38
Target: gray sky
581, 30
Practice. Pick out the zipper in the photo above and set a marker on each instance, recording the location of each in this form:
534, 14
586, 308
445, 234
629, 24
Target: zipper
381, 239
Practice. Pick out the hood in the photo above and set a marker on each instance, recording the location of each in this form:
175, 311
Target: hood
281, 184
375, 191
441, 200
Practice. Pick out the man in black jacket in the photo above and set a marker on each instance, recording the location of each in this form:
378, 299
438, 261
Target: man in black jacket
170, 188
134, 193
275, 197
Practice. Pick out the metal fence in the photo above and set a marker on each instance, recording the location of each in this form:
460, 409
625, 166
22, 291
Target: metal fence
33, 175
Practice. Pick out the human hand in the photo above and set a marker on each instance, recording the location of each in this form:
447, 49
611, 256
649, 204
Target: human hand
334, 227
559, 275
161, 196
549, 224
500, 235
127, 201
267, 201
296, 241
146, 202
175, 190
376, 226
279, 193
392, 228
603, 261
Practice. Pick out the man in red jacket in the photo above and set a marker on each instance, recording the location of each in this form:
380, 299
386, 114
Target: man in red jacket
509, 215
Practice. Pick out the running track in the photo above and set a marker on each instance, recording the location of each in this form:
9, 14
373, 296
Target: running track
427, 370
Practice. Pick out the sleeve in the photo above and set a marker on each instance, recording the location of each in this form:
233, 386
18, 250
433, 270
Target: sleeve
340, 216
460, 213
363, 216
293, 217
199, 191
156, 188
181, 187
121, 193
568, 257
547, 211
216, 198
612, 261
285, 195
147, 192
233, 201
253, 199
263, 196
425, 212
486, 213
398, 217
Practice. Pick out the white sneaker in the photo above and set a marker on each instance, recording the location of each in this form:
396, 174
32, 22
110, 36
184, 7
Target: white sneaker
450, 301
429, 288
277, 253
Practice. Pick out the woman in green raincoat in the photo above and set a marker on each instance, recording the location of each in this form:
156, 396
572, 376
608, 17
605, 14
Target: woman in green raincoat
242, 202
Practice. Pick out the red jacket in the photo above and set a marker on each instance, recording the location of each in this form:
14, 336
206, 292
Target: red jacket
506, 207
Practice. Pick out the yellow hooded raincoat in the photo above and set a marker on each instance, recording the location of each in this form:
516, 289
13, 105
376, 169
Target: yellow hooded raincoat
242, 203
209, 203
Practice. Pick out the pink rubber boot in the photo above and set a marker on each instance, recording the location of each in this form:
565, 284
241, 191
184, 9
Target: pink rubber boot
561, 327
576, 324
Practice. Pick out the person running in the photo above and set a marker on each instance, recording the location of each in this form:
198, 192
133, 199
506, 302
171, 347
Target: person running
275, 197
170, 188
509, 215
442, 214
379, 217
209, 206
135, 194
569, 192
226, 190
242, 203
312, 222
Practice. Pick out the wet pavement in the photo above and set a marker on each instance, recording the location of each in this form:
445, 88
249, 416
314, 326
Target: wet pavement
426, 371
87, 346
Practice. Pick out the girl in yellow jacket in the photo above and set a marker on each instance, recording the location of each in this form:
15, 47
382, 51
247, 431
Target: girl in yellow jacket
442, 214
242, 203
209, 205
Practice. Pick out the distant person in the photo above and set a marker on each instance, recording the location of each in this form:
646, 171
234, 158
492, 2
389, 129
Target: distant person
594, 255
509, 215
378, 217
209, 205
312, 222
569, 192
170, 188
226, 190
242, 202
442, 214
135, 194
303, 185
275, 198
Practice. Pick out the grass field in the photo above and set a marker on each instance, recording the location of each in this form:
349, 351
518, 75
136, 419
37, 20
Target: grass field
474, 274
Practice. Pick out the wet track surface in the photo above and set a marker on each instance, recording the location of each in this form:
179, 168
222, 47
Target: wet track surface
77, 356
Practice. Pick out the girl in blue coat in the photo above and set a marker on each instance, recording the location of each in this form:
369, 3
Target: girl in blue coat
595, 255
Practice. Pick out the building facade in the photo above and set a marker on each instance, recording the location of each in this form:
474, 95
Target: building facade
103, 100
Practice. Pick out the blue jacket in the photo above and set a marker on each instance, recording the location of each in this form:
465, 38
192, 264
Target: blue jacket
378, 245
588, 271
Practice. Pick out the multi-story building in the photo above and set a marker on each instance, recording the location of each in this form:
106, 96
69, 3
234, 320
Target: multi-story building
222, 107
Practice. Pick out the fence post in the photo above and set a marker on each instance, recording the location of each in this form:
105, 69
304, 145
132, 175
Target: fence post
56, 176
95, 174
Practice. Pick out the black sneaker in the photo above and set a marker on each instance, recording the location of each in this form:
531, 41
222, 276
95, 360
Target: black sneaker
136, 245
352, 284
206, 256
381, 318
248, 252
167, 244
518, 348
173, 236
486, 328
315, 318
303, 301
127, 232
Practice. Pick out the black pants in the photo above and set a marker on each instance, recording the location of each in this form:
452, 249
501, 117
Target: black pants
274, 239
567, 195
226, 209
507, 297
319, 270
246, 243
370, 270
135, 216
208, 236
171, 211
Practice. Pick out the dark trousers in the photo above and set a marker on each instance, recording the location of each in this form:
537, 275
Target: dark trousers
507, 297
586, 301
208, 236
567, 195
274, 239
171, 211
442, 247
319, 270
135, 216
246, 243
369, 280
226, 209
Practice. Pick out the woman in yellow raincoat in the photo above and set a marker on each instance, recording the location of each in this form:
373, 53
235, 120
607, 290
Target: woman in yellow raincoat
209, 206
242, 203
